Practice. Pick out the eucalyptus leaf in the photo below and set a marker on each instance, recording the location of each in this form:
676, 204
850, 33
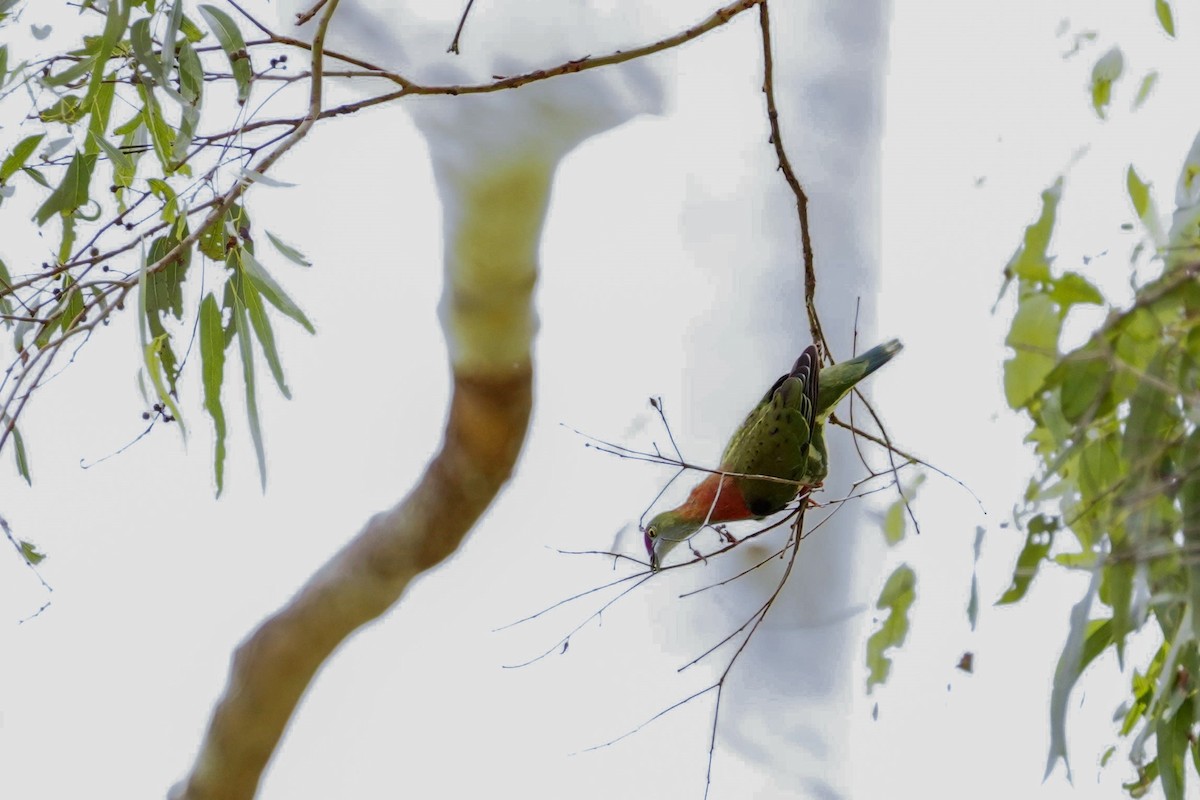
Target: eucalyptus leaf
289, 252
271, 290
21, 152
1106, 71
231, 41
212, 357
243, 333
1070, 665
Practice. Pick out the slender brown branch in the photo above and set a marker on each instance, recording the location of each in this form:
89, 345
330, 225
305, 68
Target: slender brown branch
886, 443
785, 166
720, 17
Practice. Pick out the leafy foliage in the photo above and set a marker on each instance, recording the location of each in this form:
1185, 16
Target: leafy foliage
899, 591
1117, 490
124, 169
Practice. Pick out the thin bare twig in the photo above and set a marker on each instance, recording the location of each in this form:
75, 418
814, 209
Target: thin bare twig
462, 21
304, 16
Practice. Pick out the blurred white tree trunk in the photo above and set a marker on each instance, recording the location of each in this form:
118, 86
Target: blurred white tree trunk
787, 711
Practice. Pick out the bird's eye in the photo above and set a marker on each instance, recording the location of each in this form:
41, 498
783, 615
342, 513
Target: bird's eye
651, 532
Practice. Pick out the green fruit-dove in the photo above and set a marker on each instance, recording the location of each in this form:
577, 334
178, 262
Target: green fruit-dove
783, 437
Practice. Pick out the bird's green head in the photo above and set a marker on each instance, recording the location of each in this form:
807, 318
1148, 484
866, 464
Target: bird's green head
664, 532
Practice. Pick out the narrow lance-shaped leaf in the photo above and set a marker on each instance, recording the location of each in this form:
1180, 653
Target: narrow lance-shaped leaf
973, 603
164, 295
115, 25
1139, 191
191, 74
1105, 73
6, 306
161, 134
1118, 581
1143, 206
72, 193
262, 330
152, 350
19, 155
289, 252
1097, 640
171, 33
1189, 503
22, 457
231, 41
73, 309
254, 176
156, 371
1172, 734
99, 111
1162, 9
242, 329
123, 166
212, 358
190, 99
1070, 665
1144, 89
73, 73
272, 291
37, 176
143, 49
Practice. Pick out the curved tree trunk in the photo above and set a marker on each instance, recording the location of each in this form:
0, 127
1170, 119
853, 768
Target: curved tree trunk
494, 160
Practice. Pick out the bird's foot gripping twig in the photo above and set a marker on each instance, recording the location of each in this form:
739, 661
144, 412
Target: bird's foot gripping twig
724, 533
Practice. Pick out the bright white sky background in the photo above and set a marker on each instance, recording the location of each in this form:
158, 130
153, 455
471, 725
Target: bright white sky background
651, 226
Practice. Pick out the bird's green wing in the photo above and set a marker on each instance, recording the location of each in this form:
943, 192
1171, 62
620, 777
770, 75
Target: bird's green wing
775, 437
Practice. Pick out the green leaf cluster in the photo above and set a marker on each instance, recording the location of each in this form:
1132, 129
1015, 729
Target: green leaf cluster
899, 591
240, 315
118, 161
1117, 489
